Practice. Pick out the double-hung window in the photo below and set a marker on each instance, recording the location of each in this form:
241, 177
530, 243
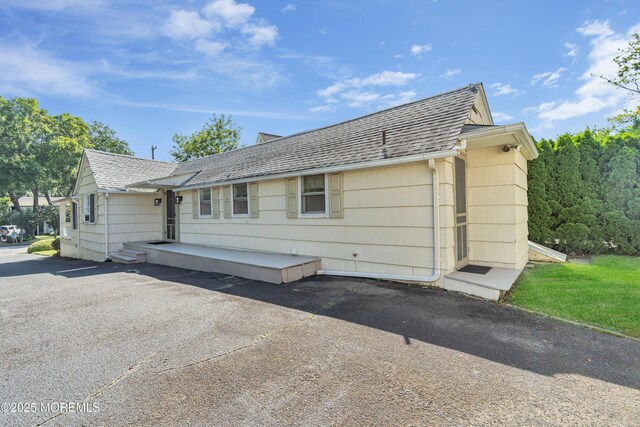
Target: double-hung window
313, 194
205, 202
240, 199
67, 213
89, 208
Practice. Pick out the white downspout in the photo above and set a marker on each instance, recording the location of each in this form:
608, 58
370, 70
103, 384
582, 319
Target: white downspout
106, 225
436, 243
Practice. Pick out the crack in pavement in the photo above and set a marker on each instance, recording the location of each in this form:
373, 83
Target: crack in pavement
132, 369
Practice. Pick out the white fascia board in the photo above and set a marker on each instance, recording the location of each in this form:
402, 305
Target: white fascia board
331, 169
518, 130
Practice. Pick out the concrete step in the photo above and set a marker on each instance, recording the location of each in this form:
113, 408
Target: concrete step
140, 255
465, 287
121, 258
491, 285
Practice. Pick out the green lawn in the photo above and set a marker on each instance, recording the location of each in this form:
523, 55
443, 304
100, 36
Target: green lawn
50, 252
605, 293
44, 237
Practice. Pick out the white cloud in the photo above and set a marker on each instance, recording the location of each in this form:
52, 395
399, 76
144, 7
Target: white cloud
53, 5
223, 17
572, 50
501, 117
289, 8
596, 28
321, 109
397, 99
448, 75
186, 25
385, 78
357, 98
358, 92
549, 79
211, 48
260, 35
505, 89
28, 70
594, 94
418, 49
233, 14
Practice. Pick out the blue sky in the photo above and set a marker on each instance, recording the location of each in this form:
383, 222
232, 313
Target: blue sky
150, 68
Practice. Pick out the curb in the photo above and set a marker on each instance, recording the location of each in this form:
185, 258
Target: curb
573, 322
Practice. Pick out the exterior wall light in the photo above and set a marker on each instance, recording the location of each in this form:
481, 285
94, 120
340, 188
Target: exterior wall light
157, 202
178, 200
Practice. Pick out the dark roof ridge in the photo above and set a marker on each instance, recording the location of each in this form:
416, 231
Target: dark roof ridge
126, 155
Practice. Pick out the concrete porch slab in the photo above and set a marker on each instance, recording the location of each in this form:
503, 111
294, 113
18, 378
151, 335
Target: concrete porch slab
268, 267
491, 286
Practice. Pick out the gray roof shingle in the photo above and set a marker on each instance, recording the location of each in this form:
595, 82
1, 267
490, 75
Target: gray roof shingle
114, 172
425, 126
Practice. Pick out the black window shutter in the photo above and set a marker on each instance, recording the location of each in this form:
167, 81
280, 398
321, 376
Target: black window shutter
92, 207
74, 214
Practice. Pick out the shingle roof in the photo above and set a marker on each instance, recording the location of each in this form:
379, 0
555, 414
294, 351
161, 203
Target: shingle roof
114, 172
426, 126
429, 125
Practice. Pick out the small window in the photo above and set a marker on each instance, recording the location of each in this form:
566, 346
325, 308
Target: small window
240, 199
205, 202
313, 194
67, 212
89, 208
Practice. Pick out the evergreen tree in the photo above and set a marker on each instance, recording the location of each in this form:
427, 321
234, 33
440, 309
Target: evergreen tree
539, 209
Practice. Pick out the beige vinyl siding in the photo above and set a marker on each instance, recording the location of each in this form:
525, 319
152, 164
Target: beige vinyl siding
91, 235
497, 207
387, 219
133, 218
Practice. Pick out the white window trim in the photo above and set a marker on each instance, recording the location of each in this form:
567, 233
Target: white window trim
326, 199
248, 214
68, 206
210, 201
86, 208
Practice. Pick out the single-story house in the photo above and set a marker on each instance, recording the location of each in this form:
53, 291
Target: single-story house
419, 192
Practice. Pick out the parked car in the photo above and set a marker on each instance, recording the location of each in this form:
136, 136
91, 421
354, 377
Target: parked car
6, 230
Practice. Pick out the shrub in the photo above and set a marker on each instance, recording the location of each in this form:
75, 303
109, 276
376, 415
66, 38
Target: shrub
40, 245
55, 244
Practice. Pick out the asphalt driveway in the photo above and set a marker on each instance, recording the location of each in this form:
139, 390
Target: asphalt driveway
165, 346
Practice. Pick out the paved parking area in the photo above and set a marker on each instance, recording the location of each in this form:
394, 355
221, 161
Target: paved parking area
165, 346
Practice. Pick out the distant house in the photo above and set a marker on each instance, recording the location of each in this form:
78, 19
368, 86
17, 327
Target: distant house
27, 202
412, 193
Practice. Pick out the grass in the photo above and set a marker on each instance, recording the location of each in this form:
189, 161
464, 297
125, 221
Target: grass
50, 252
605, 293
45, 237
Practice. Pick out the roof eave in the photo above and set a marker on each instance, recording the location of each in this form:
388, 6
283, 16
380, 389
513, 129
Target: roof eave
329, 169
517, 130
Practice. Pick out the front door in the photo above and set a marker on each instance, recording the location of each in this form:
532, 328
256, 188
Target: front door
170, 216
462, 245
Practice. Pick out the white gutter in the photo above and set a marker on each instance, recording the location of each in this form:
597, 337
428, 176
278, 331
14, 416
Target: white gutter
330, 169
435, 181
106, 225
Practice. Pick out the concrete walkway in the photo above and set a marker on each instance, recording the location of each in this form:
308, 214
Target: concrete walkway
174, 347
